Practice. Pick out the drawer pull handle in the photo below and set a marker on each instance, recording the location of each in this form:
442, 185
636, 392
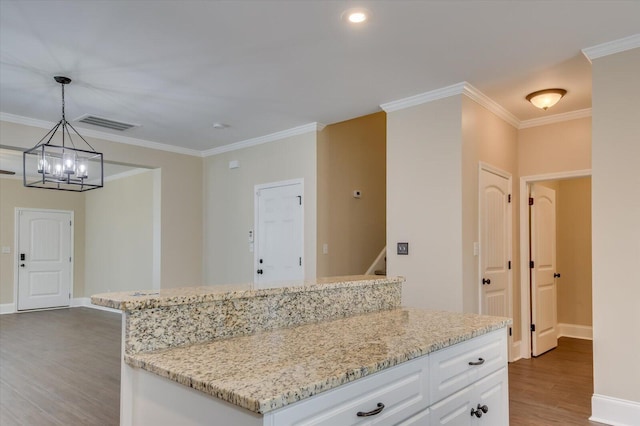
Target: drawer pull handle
372, 412
480, 361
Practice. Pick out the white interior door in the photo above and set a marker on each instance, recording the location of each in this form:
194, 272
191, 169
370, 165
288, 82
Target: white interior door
544, 334
44, 258
279, 234
495, 244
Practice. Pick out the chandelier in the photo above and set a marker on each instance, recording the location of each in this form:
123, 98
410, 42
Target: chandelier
62, 167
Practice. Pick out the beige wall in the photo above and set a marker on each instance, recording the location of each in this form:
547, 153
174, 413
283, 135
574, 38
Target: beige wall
180, 199
616, 225
573, 209
229, 203
489, 139
13, 194
351, 155
558, 147
119, 231
424, 202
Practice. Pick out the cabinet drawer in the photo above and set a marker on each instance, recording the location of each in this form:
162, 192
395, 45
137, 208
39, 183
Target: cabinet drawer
453, 368
402, 389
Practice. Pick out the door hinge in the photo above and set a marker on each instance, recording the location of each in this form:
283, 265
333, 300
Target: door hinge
509, 199
510, 332
509, 265
299, 199
530, 201
533, 327
531, 264
69, 295
70, 223
299, 261
69, 259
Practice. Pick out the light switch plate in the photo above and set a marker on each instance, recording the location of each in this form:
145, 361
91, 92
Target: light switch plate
403, 248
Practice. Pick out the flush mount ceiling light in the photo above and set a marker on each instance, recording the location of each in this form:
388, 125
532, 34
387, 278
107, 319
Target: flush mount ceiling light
62, 167
545, 99
356, 15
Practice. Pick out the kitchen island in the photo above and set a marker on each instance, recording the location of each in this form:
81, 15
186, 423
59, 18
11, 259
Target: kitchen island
369, 361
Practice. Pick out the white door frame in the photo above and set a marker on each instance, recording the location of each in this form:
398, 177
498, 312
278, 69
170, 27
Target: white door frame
482, 166
256, 189
525, 284
16, 251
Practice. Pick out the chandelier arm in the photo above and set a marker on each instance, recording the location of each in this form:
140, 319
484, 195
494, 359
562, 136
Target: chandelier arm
66, 129
50, 133
77, 133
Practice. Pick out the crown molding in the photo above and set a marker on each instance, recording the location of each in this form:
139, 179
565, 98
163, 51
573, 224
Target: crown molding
423, 98
18, 119
611, 47
485, 101
463, 88
556, 118
307, 128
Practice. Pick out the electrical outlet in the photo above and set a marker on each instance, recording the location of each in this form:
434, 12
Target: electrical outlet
403, 248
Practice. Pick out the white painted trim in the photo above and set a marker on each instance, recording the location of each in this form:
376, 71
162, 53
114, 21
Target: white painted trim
556, 118
614, 411
423, 98
85, 302
156, 255
611, 47
485, 101
27, 121
311, 127
525, 297
126, 174
7, 308
575, 331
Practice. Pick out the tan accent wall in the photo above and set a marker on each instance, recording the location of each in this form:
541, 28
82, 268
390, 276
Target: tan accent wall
574, 251
424, 202
229, 204
489, 139
557, 147
119, 231
180, 199
616, 225
13, 194
351, 156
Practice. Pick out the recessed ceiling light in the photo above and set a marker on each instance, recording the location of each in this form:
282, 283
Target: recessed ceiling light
356, 16
220, 126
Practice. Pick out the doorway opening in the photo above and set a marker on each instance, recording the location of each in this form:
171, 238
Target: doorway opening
556, 284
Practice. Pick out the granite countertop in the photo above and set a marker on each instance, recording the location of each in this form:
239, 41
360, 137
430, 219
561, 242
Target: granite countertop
269, 370
147, 299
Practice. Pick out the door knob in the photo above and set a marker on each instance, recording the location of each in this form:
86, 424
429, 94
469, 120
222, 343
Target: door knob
259, 271
486, 281
556, 275
22, 265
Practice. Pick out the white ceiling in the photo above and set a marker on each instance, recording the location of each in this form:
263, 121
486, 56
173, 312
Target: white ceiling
177, 67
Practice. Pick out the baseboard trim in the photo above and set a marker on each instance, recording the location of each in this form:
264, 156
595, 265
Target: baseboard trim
575, 331
85, 302
614, 411
7, 308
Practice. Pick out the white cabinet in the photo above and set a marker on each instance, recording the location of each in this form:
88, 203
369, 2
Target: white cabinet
485, 402
441, 388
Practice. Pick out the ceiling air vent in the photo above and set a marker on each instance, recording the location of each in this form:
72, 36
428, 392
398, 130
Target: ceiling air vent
94, 120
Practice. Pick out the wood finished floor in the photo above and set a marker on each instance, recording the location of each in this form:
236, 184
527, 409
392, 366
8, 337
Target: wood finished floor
62, 367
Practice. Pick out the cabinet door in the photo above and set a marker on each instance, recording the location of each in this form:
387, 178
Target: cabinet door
454, 410
493, 392
423, 418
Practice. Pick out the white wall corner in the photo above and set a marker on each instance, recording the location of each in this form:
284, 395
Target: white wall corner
611, 47
575, 331
7, 308
516, 351
614, 411
306, 128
